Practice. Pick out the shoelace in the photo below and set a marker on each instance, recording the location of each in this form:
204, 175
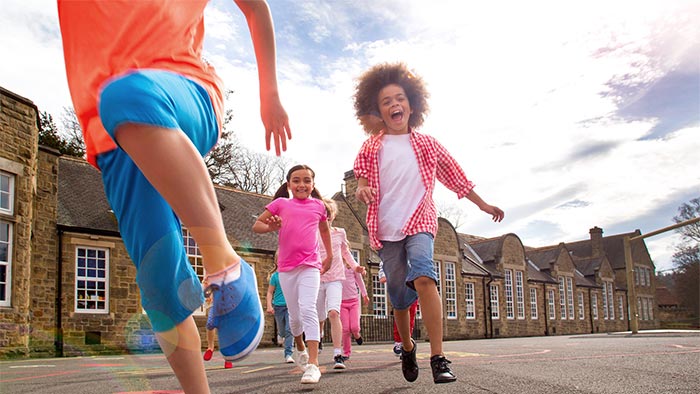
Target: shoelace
442, 364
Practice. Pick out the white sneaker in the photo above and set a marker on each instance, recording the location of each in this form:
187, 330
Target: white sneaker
301, 359
311, 375
289, 360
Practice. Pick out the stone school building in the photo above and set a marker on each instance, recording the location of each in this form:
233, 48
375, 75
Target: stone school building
67, 285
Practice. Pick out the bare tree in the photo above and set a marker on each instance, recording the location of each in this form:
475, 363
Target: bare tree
687, 211
451, 212
73, 131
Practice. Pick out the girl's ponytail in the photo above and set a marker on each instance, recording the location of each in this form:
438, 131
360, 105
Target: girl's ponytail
283, 191
316, 194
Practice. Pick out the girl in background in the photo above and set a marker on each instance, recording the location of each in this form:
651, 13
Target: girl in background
300, 220
353, 286
330, 294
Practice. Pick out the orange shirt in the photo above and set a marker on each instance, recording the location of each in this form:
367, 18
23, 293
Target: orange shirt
103, 39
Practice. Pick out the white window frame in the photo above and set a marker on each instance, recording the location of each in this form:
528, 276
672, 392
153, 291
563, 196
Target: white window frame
438, 273
581, 306
647, 276
493, 295
611, 301
450, 291
621, 306
519, 295
7, 190
83, 297
552, 304
650, 303
6, 264
605, 301
469, 300
379, 298
355, 255
594, 305
533, 303
508, 286
570, 297
562, 297
194, 255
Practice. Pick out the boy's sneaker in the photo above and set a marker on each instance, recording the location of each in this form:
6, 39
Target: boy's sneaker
320, 346
237, 314
409, 364
441, 370
289, 360
311, 375
397, 348
228, 365
301, 359
339, 362
208, 354
359, 341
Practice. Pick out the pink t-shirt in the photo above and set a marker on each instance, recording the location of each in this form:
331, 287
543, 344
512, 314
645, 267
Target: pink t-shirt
341, 250
352, 282
298, 236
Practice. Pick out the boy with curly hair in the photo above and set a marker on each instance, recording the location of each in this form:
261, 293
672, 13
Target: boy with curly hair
396, 170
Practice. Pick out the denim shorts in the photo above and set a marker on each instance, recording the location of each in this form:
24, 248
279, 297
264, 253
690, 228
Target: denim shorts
403, 262
152, 234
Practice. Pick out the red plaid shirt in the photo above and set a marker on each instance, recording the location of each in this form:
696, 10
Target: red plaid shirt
434, 162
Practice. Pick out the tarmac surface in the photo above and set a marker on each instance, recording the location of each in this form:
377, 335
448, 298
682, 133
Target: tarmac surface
644, 363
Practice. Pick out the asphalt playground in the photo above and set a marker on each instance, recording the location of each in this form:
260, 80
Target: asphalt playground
644, 363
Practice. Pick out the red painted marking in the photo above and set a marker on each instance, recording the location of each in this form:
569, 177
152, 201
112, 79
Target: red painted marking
39, 376
102, 365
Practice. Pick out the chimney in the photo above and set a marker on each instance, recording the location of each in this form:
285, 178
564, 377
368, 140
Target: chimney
350, 184
596, 242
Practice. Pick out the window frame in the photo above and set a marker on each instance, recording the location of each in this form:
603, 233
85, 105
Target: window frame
552, 305
6, 296
508, 288
533, 304
194, 256
562, 298
581, 306
379, 298
519, 295
594, 305
87, 278
10, 193
450, 291
470, 302
493, 299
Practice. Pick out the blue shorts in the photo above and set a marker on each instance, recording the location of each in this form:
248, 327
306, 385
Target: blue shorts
152, 234
403, 262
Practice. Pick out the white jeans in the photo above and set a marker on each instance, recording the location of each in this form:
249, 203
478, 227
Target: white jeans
330, 295
300, 288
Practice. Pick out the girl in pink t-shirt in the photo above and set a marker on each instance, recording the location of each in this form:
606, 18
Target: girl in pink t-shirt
300, 220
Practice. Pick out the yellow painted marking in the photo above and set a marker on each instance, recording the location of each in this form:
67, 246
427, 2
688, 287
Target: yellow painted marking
259, 369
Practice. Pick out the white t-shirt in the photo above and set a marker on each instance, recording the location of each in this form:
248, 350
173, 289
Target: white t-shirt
401, 187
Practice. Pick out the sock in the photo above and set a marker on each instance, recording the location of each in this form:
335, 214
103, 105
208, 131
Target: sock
226, 275
336, 351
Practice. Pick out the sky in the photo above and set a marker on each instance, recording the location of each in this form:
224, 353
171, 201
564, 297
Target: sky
567, 115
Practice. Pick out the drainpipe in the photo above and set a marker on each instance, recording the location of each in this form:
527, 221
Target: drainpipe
546, 317
488, 331
58, 335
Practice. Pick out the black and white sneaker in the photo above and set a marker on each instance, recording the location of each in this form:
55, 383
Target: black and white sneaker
339, 362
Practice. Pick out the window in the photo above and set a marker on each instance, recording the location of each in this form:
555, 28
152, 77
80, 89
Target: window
605, 301
494, 302
520, 294
509, 294
570, 296
450, 291
594, 305
195, 257
469, 299
378, 297
562, 297
92, 279
581, 305
436, 265
639, 309
533, 303
621, 307
611, 301
355, 255
7, 193
5, 263
550, 300
647, 276
650, 303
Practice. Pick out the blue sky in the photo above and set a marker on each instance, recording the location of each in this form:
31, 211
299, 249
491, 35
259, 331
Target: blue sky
567, 116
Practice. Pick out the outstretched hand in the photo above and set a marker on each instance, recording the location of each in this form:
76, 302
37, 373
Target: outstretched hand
365, 194
276, 122
496, 213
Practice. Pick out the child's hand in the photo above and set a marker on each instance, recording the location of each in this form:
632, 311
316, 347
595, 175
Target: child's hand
274, 222
326, 264
496, 213
270, 310
365, 194
276, 123
366, 298
360, 269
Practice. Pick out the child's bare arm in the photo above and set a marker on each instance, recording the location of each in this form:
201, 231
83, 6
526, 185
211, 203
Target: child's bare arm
364, 192
267, 222
496, 213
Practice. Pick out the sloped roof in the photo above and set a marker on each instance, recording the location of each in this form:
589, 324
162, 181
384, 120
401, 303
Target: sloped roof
613, 247
664, 297
588, 266
535, 274
544, 257
488, 248
582, 281
82, 204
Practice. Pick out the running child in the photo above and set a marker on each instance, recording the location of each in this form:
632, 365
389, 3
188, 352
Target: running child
350, 307
300, 220
150, 107
396, 170
330, 294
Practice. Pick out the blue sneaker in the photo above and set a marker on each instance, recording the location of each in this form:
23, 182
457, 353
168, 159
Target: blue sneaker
237, 314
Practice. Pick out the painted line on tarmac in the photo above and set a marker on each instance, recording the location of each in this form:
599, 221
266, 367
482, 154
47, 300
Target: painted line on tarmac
38, 376
152, 392
33, 366
258, 369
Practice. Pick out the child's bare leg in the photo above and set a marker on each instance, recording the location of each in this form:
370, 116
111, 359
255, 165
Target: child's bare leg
402, 319
210, 339
431, 308
299, 343
313, 352
181, 346
336, 329
175, 168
